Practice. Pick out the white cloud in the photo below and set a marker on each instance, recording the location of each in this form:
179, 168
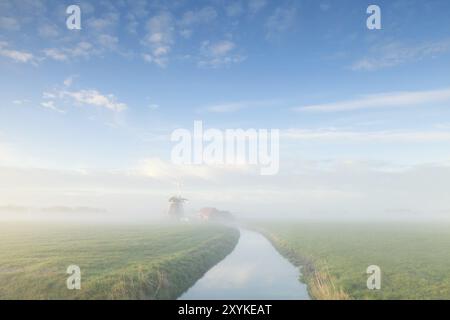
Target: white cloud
204, 15
68, 81
394, 54
89, 97
48, 31
20, 101
254, 6
107, 41
161, 51
55, 54
147, 57
139, 8
49, 95
17, 56
95, 98
51, 105
162, 29
153, 106
160, 38
82, 49
383, 100
107, 22
221, 48
218, 54
282, 20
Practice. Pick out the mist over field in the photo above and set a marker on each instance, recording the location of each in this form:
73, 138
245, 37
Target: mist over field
169, 149
312, 191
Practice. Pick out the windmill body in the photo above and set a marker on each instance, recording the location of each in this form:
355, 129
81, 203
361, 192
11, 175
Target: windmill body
176, 209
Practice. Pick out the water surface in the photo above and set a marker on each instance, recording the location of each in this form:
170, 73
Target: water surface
254, 270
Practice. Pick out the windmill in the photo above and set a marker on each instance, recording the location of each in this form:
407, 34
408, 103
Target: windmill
176, 209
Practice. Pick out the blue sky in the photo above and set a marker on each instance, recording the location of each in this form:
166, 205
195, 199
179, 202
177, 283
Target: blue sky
104, 100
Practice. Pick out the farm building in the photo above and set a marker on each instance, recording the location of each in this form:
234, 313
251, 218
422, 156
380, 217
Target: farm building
215, 215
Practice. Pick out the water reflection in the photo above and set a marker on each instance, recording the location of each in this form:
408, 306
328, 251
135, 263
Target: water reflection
254, 270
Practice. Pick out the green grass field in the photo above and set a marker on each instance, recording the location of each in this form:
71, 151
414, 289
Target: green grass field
414, 258
126, 262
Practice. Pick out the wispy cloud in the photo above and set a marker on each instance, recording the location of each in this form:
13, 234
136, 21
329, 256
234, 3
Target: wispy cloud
107, 41
238, 105
48, 31
68, 81
107, 22
201, 16
282, 20
159, 38
20, 101
254, 6
82, 49
194, 18
345, 136
153, 106
51, 105
158, 31
97, 99
219, 54
383, 100
16, 55
89, 97
56, 54
395, 53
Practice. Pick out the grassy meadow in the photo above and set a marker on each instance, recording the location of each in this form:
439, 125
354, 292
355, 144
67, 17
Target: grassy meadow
414, 258
116, 262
